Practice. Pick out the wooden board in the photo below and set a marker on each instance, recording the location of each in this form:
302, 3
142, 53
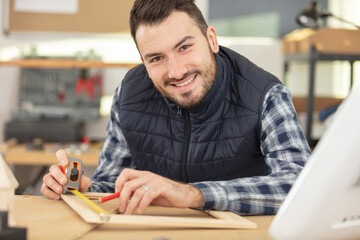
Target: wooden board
48, 219
326, 40
55, 63
320, 103
93, 16
158, 217
8, 184
7, 178
18, 154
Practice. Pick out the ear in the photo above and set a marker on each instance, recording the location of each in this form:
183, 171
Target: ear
212, 39
142, 60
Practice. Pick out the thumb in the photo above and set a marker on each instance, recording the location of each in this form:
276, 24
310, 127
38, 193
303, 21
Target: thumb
62, 157
85, 183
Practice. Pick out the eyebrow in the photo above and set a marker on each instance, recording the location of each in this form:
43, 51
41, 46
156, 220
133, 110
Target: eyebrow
150, 55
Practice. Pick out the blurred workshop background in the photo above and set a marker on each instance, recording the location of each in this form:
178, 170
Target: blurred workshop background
61, 61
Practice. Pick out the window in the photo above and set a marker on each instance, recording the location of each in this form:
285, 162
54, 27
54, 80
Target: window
349, 10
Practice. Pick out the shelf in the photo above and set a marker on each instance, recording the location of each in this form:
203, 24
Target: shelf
322, 56
55, 63
312, 58
18, 154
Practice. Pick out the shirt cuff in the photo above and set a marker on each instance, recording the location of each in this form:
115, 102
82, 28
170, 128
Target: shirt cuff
214, 195
104, 187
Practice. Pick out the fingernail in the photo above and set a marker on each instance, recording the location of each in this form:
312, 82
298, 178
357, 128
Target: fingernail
58, 190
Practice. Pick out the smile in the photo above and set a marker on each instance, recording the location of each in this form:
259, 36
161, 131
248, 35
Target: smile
186, 83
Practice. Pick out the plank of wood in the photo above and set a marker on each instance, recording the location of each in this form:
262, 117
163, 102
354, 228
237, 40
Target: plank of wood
320, 103
107, 231
92, 16
226, 220
48, 219
7, 178
54, 63
18, 154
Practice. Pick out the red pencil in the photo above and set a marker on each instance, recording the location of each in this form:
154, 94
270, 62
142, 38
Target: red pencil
110, 197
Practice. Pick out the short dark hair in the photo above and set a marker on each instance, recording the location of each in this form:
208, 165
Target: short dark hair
155, 11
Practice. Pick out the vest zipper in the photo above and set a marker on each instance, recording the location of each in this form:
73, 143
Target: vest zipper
179, 112
186, 146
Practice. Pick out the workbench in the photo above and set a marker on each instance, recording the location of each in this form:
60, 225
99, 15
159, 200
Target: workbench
19, 155
50, 219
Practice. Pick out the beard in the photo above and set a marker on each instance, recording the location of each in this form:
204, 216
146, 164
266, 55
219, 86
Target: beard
189, 99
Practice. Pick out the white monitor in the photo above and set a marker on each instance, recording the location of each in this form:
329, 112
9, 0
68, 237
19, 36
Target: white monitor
324, 202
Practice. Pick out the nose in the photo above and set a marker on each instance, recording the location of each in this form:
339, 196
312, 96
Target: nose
176, 67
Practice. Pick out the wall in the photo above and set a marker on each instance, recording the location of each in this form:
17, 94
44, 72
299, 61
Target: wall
266, 18
115, 47
118, 48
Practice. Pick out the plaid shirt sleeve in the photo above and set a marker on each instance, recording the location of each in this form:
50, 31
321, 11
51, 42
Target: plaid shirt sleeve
286, 151
115, 154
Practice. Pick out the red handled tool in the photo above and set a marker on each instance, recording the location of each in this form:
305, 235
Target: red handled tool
110, 197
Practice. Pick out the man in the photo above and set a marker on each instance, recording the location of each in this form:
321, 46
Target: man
196, 125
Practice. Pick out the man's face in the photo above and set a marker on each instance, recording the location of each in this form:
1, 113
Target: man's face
179, 58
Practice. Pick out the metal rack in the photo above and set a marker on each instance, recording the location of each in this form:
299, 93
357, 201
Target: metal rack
312, 58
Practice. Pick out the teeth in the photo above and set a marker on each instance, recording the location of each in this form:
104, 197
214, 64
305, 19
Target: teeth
185, 83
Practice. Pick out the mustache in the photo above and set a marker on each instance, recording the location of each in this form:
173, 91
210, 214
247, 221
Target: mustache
172, 80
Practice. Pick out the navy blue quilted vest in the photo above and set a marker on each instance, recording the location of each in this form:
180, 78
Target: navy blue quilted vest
216, 140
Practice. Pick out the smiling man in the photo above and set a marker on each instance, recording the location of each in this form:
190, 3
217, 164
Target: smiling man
196, 125
180, 60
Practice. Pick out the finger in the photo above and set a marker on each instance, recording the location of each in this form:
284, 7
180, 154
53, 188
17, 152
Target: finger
49, 193
52, 184
85, 183
59, 176
146, 200
135, 200
127, 191
125, 175
62, 157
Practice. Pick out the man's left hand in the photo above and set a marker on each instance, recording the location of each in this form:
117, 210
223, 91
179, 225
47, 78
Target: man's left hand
144, 188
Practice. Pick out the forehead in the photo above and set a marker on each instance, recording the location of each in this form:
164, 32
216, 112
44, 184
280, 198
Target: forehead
167, 33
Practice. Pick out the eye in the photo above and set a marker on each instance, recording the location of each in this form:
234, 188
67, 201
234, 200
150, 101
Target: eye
184, 47
155, 59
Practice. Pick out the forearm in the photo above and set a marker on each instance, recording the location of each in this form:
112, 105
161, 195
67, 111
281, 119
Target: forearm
115, 155
102, 186
285, 151
260, 195
109, 168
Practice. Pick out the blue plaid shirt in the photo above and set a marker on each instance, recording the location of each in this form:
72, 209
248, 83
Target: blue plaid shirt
282, 142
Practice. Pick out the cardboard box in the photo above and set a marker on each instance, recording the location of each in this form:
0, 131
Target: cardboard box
290, 42
326, 40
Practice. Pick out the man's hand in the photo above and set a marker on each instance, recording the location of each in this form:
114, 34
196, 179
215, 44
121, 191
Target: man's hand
144, 187
55, 179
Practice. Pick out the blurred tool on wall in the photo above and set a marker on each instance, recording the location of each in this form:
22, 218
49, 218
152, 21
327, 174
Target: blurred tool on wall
54, 103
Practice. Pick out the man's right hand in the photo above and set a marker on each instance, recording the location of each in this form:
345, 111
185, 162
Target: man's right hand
55, 179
